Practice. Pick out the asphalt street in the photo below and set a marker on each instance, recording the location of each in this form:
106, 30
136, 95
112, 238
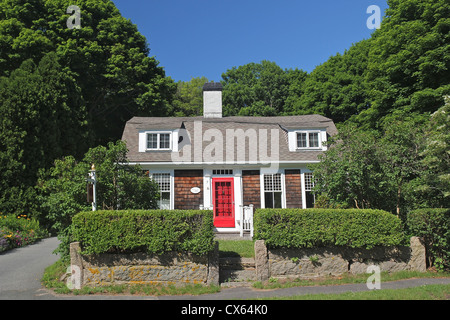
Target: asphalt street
21, 269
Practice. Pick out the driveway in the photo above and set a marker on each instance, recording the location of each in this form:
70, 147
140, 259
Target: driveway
21, 269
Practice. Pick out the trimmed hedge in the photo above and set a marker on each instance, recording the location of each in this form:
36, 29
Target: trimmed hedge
433, 226
152, 231
307, 228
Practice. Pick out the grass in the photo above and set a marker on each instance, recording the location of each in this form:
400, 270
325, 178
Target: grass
236, 248
275, 283
429, 292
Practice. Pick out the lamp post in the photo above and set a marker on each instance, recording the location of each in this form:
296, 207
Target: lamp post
93, 180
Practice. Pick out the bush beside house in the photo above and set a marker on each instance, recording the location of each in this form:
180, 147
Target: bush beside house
433, 226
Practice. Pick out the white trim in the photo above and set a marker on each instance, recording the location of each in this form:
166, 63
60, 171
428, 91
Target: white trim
172, 183
260, 165
143, 140
264, 171
302, 181
292, 139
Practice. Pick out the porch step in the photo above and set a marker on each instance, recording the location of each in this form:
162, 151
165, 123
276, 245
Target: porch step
232, 236
236, 269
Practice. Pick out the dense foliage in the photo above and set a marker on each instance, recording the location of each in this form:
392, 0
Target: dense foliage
307, 228
153, 231
433, 226
62, 188
65, 90
18, 231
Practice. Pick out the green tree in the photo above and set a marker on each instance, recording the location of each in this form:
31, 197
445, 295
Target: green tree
349, 173
409, 60
399, 156
107, 56
259, 89
433, 186
63, 193
42, 119
336, 88
188, 100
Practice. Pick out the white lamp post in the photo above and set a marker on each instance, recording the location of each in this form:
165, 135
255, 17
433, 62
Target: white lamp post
93, 179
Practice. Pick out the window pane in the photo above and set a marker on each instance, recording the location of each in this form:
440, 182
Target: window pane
277, 199
301, 140
268, 199
272, 182
314, 140
164, 203
310, 199
163, 180
277, 182
152, 141
164, 142
309, 181
268, 182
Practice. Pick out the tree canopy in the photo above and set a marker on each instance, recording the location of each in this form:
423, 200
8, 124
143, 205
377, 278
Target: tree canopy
108, 58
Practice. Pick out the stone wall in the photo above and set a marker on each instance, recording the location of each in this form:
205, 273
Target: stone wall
168, 268
317, 262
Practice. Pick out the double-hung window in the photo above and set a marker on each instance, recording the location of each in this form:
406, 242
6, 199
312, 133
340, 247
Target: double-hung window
272, 190
307, 140
164, 182
158, 141
309, 187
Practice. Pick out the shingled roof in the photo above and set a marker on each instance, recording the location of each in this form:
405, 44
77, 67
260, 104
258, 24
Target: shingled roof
280, 124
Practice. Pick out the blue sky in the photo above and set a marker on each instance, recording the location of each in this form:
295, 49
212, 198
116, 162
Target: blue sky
194, 38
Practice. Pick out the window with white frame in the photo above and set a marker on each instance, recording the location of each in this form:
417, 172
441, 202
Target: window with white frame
163, 180
309, 187
272, 191
158, 141
308, 140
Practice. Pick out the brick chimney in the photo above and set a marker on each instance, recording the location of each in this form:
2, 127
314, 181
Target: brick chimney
212, 100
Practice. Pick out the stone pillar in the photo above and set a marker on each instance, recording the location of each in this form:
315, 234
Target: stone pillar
76, 262
418, 260
213, 266
261, 261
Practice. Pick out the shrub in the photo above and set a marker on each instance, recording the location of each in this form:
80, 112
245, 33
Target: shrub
433, 226
307, 228
18, 231
153, 231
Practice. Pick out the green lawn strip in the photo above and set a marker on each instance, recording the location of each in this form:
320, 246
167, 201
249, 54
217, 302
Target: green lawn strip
236, 248
427, 292
275, 283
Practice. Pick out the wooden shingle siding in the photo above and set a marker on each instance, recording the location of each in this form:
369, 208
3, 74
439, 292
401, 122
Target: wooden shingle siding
251, 188
185, 180
293, 189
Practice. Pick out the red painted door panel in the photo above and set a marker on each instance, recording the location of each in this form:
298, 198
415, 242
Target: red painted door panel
223, 201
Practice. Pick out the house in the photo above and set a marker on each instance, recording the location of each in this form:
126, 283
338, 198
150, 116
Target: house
225, 163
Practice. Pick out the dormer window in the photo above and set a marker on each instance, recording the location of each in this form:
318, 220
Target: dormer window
159, 141
308, 140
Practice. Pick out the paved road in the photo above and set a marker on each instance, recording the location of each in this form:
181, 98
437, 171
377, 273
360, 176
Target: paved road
21, 269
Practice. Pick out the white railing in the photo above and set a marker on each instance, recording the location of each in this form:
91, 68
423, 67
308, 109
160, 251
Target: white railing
246, 220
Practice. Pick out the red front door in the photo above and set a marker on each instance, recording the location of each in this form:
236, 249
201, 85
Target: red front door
223, 200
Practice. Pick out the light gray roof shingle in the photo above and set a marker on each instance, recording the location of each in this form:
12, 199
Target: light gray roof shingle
280, 125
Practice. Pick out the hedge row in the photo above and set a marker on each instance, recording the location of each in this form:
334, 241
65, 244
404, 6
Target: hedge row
153, 231
307, 228
433, 226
